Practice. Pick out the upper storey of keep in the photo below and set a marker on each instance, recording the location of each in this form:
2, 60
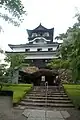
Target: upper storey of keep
40, 33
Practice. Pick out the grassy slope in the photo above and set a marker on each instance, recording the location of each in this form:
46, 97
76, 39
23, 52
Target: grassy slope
19, 91
73, 92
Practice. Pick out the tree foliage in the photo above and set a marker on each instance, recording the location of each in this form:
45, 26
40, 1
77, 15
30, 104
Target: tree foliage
59, 63
2, 71
70, 50
15, 59
16, 8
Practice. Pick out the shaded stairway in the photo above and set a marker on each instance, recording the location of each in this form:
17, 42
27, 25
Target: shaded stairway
37, 99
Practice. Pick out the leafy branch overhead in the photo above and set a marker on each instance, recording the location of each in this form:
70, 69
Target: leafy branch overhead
16, 8
9, 20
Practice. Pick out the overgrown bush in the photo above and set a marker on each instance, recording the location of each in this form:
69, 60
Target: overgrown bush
59, 63
65, 75
63, 68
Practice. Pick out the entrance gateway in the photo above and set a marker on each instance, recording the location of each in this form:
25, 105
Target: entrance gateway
39, 77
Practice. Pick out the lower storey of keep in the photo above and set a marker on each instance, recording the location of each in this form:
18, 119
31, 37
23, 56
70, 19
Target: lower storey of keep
36, 77
40, 63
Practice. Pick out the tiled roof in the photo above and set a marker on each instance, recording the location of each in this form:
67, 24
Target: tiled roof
30, 69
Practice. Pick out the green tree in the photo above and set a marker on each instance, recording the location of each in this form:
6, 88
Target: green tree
15, 8
61, 36
59, 63
2, 71
15, 59
70, 49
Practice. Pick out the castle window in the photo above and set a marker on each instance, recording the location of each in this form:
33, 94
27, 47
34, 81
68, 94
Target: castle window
50, 49
27, 50
46, 34
39, 35
39, 49
34, 34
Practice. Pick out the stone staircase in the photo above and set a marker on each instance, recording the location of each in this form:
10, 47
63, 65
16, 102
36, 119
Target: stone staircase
37, 99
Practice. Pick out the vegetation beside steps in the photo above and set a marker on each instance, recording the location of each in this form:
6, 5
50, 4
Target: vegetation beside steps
19, 91
73, 92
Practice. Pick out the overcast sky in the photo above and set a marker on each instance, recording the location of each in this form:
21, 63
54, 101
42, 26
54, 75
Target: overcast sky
51, 13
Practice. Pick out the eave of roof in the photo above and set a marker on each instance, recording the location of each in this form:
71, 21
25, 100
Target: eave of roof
33, 52
32, 45
22, 46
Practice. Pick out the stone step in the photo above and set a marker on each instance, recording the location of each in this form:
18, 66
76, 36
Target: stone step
47, 95
49, 92
53, 93
39, 90
56, 89
49, 87
23, 107
45, 104
48, 101
49, 98
55, 99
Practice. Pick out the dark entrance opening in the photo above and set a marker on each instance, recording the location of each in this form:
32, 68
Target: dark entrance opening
50, 80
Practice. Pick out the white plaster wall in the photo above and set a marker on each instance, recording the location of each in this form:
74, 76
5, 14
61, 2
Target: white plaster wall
41, 56
18, 49
33, 49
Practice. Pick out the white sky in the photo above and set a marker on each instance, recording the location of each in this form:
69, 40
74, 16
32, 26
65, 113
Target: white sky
51, 13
